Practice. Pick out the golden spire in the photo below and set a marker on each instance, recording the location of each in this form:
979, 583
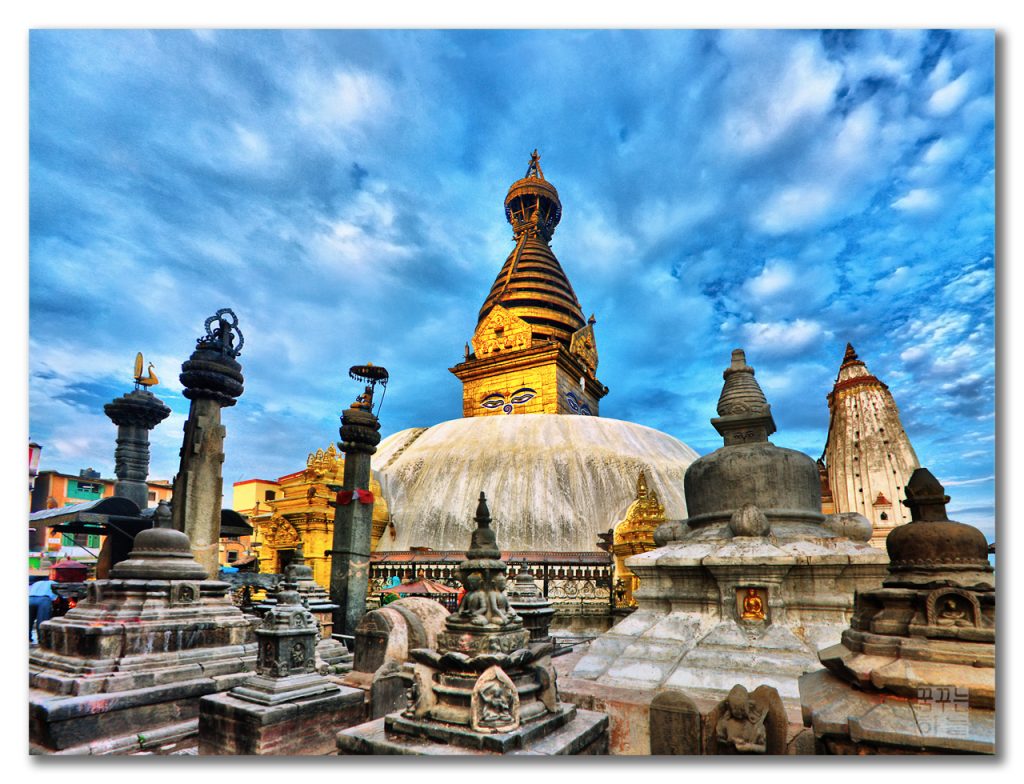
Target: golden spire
531, 283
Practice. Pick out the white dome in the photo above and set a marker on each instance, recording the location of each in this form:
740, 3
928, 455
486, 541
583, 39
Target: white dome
552, 482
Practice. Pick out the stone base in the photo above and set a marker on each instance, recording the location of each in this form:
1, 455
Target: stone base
120, 722
231, 725
846, 720
579, 732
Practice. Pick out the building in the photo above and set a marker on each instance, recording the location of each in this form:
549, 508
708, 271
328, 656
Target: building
557, 475
868, 459
295, 508
54, 489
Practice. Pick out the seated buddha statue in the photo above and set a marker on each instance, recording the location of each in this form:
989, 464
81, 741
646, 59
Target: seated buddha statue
753, 607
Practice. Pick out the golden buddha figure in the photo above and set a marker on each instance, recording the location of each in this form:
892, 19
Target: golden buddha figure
753, 607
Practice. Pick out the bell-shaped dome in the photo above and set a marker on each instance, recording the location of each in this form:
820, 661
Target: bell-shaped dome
749, 469
553, 482
931, 547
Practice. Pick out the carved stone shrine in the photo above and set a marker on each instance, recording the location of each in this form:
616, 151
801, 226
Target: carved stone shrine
287, 707
750, 586
486, 688
123, 671
915, 671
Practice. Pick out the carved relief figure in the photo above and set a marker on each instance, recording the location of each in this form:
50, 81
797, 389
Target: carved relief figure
298, 655
953, 614
495, 702
741, 723
497, 705
474, 603
500, 611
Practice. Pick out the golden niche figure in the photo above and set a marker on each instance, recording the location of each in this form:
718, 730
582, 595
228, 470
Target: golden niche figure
753, 606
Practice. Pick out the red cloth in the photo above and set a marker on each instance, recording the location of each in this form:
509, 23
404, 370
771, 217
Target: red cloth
364, 496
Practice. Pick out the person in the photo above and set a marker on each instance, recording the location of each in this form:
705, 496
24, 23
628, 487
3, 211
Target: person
40, 605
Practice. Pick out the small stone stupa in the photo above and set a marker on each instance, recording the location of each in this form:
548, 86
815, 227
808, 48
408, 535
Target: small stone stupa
123, 671
752, 584
915, 672
332, 656
485, 689
287, 707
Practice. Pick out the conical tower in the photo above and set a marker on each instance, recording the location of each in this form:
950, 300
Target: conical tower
532, 351
868, 457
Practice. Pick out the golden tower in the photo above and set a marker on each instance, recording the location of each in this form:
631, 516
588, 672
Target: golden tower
532, 351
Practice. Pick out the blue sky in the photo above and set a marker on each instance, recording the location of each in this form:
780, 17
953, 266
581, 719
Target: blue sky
785, 192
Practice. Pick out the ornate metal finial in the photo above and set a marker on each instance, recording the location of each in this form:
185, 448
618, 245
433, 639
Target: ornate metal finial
140, 381
592, 320
483, 514
533, 169
222, 337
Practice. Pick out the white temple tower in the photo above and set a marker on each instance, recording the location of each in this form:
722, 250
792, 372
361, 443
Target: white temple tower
868, 457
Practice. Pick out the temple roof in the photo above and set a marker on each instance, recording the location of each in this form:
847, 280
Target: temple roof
531, 283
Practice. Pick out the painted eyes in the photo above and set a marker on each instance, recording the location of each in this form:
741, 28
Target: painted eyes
577, 406
517, 398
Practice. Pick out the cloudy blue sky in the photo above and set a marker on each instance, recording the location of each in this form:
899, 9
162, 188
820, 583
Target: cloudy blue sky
785, 192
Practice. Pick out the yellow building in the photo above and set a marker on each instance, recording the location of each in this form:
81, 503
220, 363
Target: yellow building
295, 508
634, 534
532, 350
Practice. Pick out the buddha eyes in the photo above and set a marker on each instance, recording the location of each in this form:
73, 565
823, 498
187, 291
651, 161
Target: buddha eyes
518, 397
522, 395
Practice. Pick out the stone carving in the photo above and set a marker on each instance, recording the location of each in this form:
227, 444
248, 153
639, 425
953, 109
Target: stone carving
748, 520
748, 723
952, 607
421, 695
584, 345
185, 593
494, 703
741, 723
674, 724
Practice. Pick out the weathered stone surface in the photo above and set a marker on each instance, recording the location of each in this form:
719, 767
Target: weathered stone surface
388, 690
230, 725
585, 733
675, 725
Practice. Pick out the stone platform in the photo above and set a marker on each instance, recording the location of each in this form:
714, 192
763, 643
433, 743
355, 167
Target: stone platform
230, 725
571, 732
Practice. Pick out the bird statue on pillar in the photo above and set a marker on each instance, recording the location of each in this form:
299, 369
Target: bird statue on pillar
144, 381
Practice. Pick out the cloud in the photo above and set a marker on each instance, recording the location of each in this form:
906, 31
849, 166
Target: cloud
782, 338
918, 200
949, 97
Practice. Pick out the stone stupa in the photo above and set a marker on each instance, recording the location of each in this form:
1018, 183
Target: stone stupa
486, 688
915, 672
751, 585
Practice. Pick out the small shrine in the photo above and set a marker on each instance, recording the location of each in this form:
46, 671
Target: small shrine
486, 688
915, 671
633, 535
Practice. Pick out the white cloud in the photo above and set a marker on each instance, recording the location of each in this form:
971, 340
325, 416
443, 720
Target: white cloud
946, 99
342, 100
782, 338
971, 286
795, 207
917, 200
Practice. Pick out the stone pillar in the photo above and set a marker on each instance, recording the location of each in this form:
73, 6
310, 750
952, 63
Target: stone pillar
353, 516
212, 379
135, 414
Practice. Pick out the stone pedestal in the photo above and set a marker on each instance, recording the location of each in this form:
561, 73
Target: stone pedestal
286, 708
212, 379
485, 688
525, 597
752, 584
135, 414
353, 519
126, 667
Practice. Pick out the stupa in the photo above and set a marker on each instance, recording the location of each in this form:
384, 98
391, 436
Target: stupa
557, 473
915, 672
123, 671
752, 584
486, 688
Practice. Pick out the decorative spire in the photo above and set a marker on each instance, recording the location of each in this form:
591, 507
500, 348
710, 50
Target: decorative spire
483, 543
850, 357
744, 415
533, 169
